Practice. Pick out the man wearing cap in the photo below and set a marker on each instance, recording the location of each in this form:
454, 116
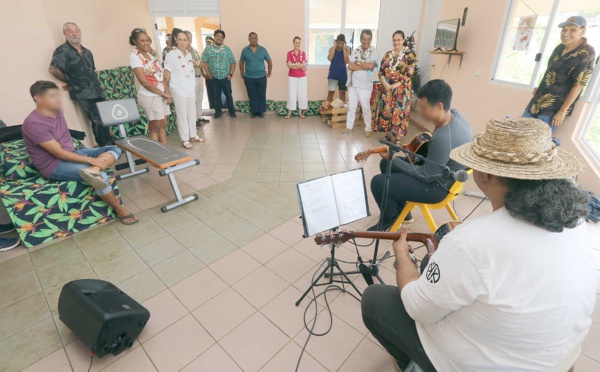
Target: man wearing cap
569, 69
338, 55
513, 290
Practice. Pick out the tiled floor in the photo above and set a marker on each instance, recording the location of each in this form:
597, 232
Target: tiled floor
220, 276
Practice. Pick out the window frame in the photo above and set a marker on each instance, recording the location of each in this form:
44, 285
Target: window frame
505, 29
342, 27
593, 100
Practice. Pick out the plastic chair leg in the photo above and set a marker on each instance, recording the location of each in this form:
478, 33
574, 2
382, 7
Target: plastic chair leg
451, 212
405, 211
428, 217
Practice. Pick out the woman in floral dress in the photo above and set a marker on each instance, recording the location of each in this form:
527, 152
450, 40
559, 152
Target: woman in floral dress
396, 72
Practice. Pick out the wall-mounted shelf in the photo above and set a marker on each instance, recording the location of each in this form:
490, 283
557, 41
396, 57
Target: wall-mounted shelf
450, 54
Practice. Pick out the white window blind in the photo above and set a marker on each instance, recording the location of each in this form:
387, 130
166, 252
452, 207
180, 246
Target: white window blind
182, 8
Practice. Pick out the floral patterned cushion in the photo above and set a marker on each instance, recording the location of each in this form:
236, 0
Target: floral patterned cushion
41, 209
15, 163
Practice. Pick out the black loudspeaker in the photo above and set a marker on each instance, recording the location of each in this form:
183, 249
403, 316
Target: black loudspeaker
103, 317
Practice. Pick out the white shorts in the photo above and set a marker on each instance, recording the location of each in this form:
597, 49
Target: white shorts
155, 107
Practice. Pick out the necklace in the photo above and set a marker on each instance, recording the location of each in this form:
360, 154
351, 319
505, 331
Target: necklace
151, 68
299, 56
397, 58
186, 64
363, 56
216, 50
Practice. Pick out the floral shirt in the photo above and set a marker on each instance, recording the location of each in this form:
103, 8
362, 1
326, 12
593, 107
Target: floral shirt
562, 74
80, 71
219, 60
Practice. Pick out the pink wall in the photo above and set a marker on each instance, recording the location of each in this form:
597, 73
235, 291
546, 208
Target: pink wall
481, 99
33, 29
276, 22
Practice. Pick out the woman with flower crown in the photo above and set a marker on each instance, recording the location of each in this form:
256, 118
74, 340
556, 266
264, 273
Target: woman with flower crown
396, 72
153, 95
181, 79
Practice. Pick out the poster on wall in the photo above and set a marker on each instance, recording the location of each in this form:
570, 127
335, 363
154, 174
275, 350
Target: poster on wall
524, 33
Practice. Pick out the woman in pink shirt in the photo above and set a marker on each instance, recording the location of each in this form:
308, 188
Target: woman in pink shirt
297, 86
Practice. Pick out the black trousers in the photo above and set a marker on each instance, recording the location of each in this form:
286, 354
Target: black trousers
402, 189
101, 133
222, 86
257, 94
209, 92
385, 316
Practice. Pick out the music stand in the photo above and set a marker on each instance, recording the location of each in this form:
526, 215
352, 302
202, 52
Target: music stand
323, 209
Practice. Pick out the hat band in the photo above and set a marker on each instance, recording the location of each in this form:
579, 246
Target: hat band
509, 157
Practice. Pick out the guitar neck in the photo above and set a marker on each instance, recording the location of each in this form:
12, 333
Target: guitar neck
425, 239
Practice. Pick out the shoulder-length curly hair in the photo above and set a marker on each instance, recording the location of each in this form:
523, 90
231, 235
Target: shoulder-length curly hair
553, 205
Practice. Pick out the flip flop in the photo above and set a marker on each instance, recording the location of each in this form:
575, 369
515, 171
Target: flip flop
93, 179
187, 145
197, 139
130, 215
288, 116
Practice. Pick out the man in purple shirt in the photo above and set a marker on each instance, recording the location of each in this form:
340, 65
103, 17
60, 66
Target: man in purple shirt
50, 146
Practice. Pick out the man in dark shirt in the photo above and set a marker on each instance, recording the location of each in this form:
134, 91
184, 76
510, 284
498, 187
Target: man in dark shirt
74, 64
569, 69
50, 147
252, 70
414, 182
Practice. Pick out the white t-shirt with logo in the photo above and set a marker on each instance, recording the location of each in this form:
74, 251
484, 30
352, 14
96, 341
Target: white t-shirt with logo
503, 295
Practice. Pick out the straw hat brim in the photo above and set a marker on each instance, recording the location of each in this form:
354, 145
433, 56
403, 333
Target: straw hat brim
564, 165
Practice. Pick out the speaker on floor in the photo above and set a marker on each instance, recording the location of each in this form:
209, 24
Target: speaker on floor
102, 316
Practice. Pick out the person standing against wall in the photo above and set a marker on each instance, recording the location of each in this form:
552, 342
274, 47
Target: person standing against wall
153, 95
339, 55
252, 70
199, 80
363, 61
208, 82
569, 69
179, 76
297, 83
73, 64
219, 66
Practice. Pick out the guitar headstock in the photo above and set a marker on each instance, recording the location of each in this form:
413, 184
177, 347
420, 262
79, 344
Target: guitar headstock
333, 237
362, 156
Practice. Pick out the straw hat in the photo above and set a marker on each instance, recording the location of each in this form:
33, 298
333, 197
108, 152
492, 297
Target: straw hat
519, 148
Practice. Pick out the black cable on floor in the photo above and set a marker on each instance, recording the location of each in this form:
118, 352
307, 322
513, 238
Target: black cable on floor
91, 360
311, 332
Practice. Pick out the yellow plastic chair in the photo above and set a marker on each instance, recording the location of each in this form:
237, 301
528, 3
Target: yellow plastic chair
454, 192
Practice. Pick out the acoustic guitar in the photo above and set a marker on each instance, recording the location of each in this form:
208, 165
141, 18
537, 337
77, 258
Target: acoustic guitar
430, 241
417, 145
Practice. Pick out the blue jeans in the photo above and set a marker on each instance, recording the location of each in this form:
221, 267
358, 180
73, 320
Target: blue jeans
545, 118
68, 171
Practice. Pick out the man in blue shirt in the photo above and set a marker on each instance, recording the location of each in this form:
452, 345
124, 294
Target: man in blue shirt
252, 70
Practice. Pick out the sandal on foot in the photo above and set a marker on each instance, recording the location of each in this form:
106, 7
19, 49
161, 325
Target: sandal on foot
123, 219
301, 116
197, 139
93, 179
288, 116
187, 145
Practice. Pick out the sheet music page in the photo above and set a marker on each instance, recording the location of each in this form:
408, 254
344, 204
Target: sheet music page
318, 205
349, 188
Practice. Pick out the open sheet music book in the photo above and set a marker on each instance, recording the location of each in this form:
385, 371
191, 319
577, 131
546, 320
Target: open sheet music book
332, 201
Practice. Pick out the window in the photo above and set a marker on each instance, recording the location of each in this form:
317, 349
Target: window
531, 33
328, 18
590, 135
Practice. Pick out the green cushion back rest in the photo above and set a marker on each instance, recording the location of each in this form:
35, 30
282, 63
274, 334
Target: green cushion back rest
119, 83
279, 107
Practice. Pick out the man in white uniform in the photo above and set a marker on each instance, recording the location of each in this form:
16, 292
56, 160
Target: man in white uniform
363, 60
511, 291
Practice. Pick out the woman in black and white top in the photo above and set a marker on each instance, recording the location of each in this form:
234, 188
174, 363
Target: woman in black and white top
180, 77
